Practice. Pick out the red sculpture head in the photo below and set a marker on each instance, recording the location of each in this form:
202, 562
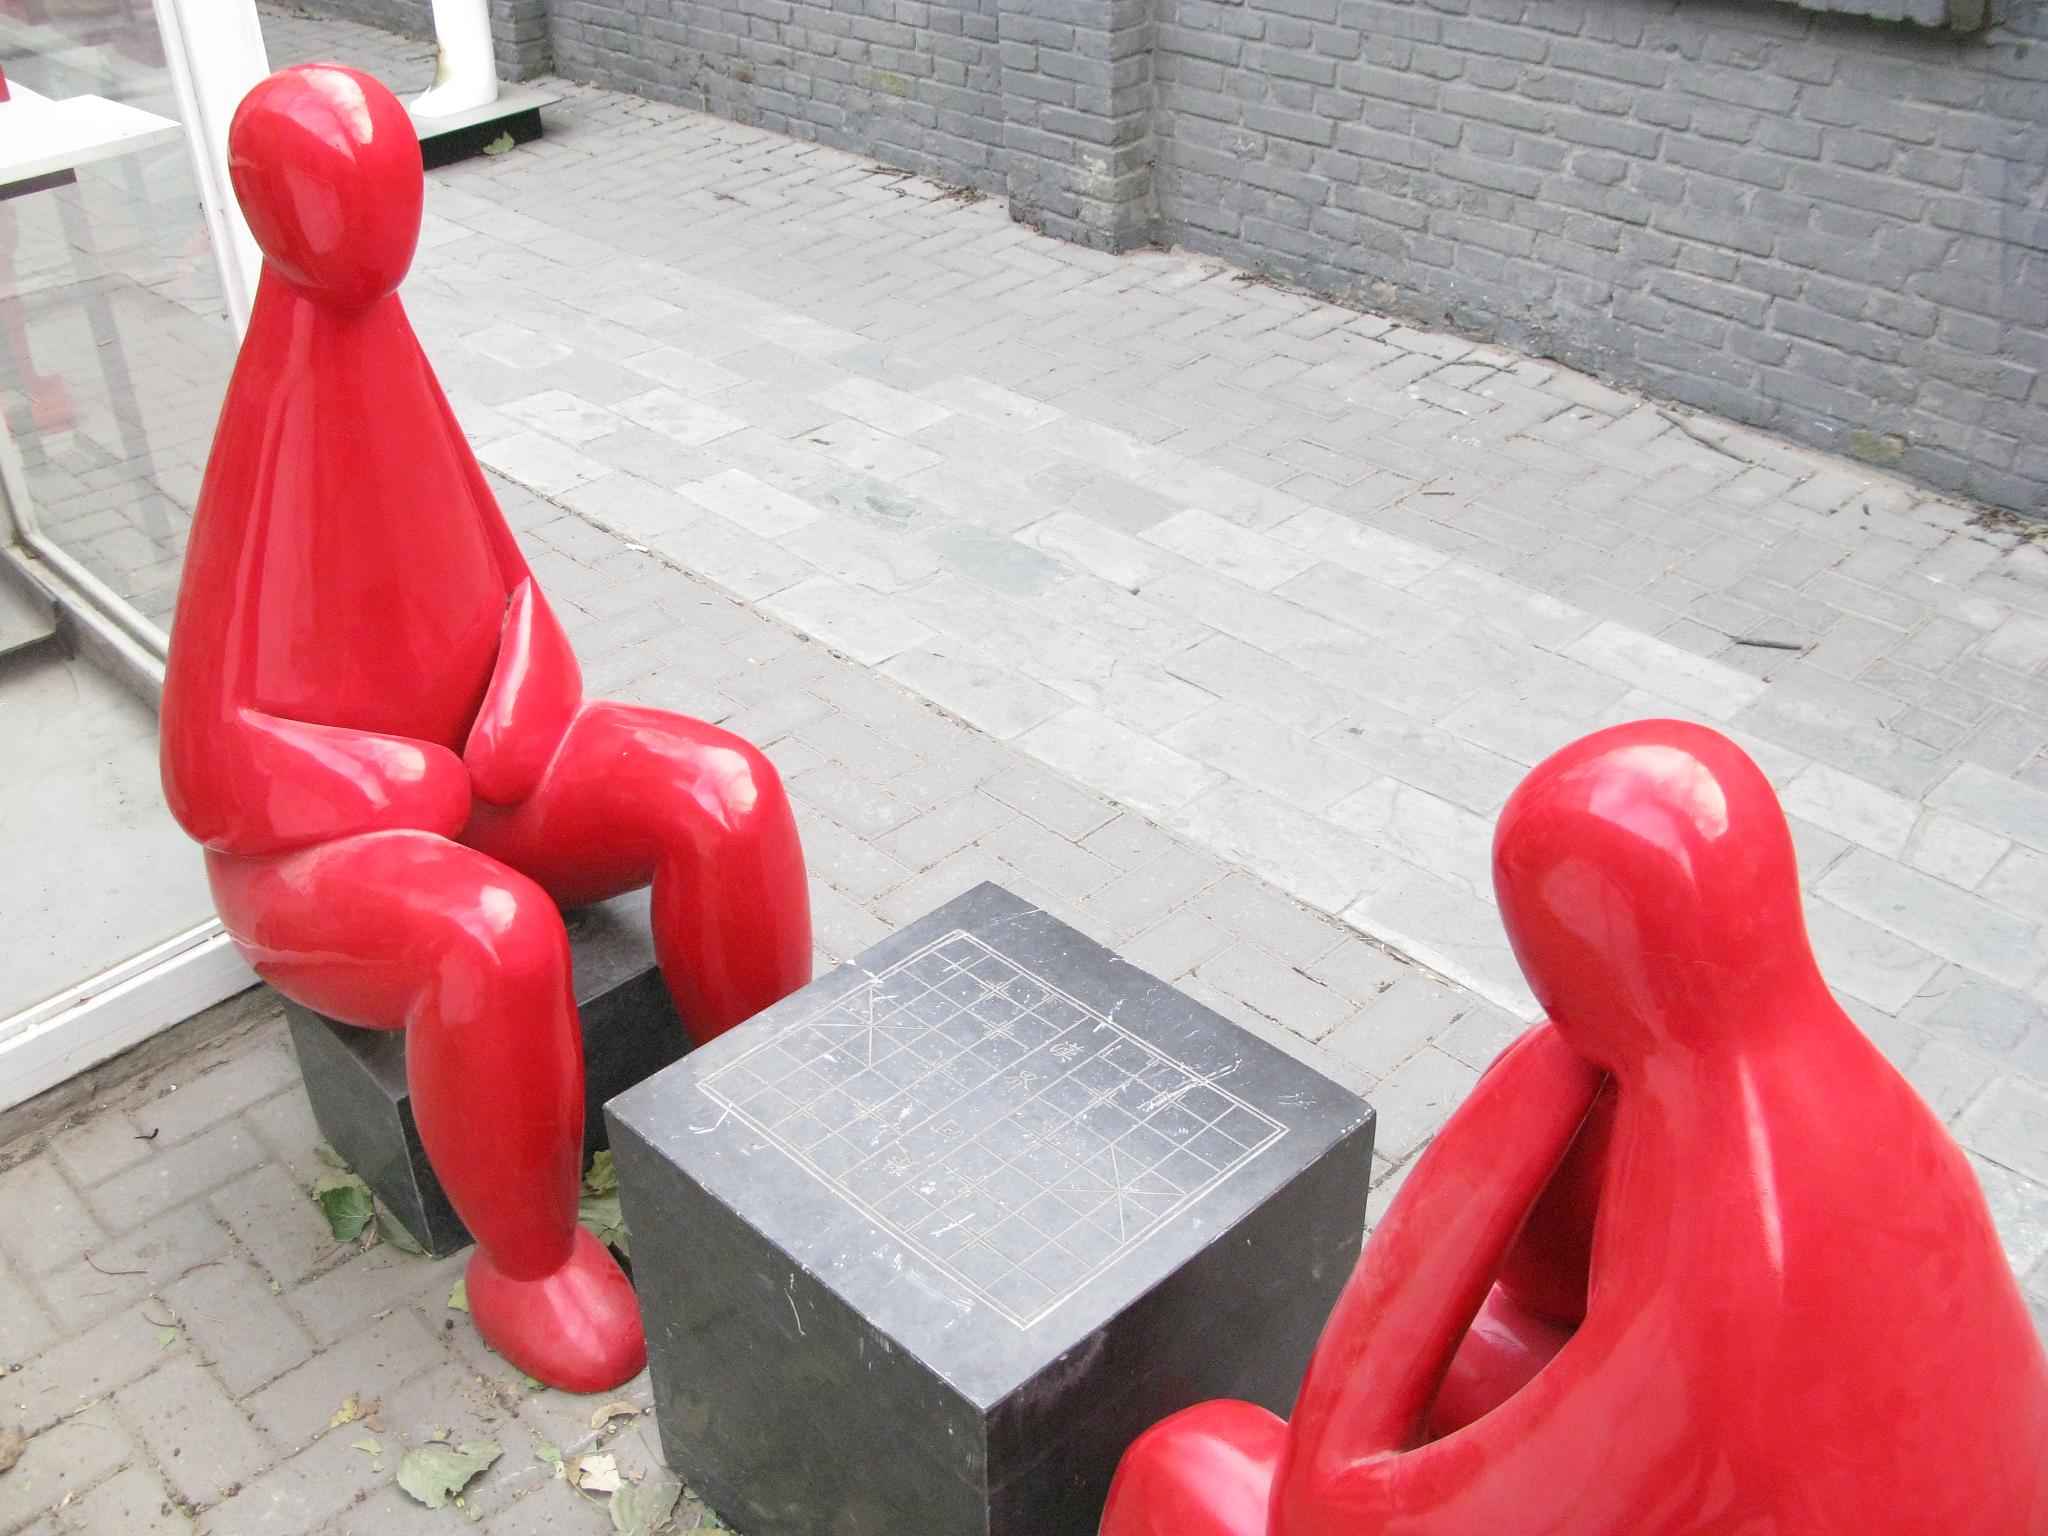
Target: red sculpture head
1647, 880
326, 165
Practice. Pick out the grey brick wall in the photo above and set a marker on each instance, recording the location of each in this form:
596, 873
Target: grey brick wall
913, 82
519, 28
1077, 118
1047, 103
1822, 224
1829, 227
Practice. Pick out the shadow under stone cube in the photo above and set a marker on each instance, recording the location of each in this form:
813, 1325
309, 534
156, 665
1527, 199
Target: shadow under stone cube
925, 1246
355, 1078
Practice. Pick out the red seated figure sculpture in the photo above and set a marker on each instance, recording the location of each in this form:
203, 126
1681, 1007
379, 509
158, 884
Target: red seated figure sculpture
375, 725
1692, 1258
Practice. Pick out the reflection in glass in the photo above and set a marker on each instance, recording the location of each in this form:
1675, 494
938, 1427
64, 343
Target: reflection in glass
113, 328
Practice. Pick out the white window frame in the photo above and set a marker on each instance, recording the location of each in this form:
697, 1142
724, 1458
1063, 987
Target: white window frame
214, 51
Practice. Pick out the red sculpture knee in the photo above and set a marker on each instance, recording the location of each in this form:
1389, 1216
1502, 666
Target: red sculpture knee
1692, 1257
635, 795
406, 929
376, 726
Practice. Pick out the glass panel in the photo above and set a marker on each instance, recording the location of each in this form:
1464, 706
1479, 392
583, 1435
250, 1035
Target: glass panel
116, 340
96, 870
114, 351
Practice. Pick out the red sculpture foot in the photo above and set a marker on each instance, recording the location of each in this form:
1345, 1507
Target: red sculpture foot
375, 725
576, 1326
1207, 1471
1692, 1257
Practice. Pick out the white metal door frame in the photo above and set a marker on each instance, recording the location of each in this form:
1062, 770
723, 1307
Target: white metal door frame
123, 1006
215, 52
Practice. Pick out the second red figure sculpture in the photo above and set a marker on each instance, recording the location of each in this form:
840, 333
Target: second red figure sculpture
375, 725
1692, 1260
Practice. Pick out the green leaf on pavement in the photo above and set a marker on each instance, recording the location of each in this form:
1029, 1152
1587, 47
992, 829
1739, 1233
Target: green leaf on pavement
330, 1157
603, 1178
499, 145
606, 1221
552, 1455
642, 1509
435, 1473
346, 1202
458, 1294
165, 1337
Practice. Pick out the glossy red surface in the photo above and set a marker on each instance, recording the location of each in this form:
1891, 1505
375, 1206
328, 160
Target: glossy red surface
376, 726
1692, 1257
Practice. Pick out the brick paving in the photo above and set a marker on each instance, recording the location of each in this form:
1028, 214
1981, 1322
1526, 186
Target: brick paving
178, 1327
1216, 620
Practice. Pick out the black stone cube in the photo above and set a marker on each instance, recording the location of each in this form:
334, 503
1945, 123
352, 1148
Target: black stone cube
355, 1078
924, 1247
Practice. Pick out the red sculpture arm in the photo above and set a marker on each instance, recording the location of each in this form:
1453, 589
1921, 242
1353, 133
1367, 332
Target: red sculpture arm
263, 785
536, 686
1429, 1266
247, 781
535, 691
511, 560
240, 779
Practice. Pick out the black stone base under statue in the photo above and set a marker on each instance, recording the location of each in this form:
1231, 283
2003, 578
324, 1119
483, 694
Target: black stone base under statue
924, 1247
355, 1078
516, 112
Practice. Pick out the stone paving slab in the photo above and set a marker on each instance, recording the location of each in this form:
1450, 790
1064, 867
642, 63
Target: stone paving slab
1500, 554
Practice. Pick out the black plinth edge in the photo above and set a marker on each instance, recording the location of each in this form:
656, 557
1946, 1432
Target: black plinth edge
355, 1078
443, 141
1158, 1207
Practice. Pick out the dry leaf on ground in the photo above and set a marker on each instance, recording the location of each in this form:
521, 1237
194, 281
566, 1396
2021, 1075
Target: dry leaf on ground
434, 1473
643, 1509
598, 1474
619, 1409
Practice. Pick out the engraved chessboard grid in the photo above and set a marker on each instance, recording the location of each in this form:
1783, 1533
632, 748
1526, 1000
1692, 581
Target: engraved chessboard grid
1018, 1139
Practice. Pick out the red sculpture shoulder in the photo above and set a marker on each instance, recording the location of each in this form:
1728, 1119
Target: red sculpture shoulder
1693, 1257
